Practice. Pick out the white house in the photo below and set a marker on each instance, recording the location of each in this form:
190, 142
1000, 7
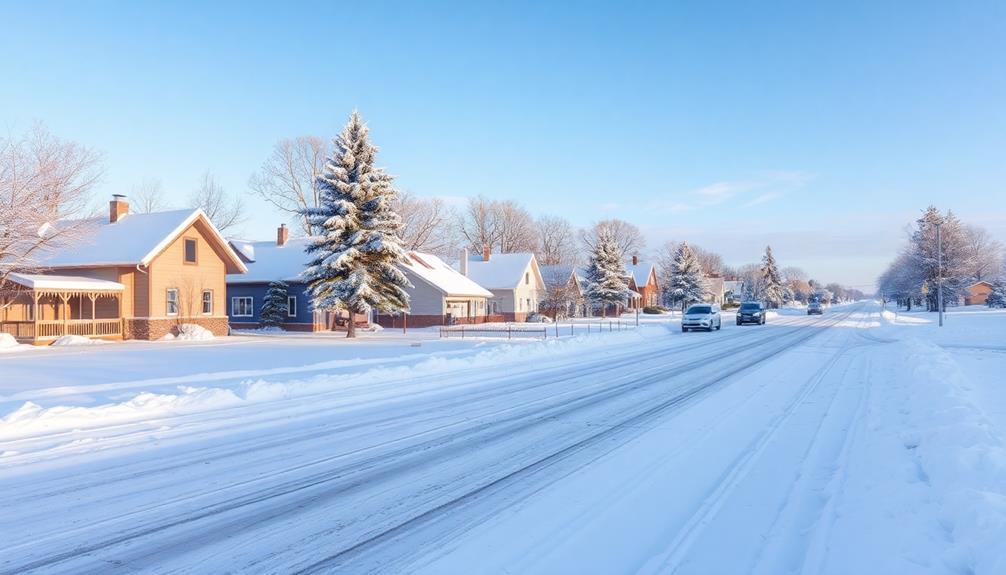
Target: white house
514, 280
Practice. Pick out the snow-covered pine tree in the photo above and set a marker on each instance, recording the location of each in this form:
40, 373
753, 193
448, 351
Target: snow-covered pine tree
772, 292
275, 307
997, 297
607, 278
355, 258
687, 283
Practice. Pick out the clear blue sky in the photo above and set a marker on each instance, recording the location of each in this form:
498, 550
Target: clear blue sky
821, 129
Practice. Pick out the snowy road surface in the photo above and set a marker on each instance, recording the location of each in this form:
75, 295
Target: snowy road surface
753, 449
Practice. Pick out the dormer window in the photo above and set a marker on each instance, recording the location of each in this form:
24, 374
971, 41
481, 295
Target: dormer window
190, 250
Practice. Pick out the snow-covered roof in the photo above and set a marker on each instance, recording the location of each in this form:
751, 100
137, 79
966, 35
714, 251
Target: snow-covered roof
266, 261
435, 272
70, 283
502, 271
640, 272
556, 275
134, 239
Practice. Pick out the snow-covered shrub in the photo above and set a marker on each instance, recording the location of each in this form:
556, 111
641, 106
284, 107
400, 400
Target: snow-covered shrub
193, 332
654, 309
7, 340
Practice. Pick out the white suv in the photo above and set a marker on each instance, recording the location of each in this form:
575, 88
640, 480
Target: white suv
702, 316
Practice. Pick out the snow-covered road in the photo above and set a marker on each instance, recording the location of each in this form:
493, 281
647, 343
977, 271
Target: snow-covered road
701, 453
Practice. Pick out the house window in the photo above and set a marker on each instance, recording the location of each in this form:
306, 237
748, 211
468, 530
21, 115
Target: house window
207, 302
242, 306
190, 250
171, 303
527, 278
291, 306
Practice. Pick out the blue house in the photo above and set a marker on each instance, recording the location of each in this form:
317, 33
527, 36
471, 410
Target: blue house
267, 261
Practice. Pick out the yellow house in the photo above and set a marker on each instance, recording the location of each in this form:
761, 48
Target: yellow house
132, 276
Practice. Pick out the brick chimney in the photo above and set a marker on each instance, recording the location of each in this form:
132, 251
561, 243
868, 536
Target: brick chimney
118, 208
282, 235
635, 260
486, 252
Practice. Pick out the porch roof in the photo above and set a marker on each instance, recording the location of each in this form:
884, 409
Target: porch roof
64, 283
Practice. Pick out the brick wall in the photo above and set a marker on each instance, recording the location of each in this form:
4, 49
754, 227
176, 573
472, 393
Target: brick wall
152, 329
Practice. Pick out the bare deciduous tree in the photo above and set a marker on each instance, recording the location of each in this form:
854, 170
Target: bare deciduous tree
288, 177
984, 253
556, 241
223, 210
424, 224
503, 225
44, 182
147, 197
711, 262
628, 236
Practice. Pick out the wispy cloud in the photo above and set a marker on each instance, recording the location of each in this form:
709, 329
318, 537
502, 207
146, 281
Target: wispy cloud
763, 187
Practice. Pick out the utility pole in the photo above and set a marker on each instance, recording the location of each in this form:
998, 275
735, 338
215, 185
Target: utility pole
939, 269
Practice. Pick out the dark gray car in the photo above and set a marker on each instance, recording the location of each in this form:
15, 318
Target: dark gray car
751, 312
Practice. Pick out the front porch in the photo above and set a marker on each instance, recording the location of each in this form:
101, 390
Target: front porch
39, 309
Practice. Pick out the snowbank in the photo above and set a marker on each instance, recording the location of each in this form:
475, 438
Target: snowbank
32, 420
7, 341
193, 332
925, 491
71, 340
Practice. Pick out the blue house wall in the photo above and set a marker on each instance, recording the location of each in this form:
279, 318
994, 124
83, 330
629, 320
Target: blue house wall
258, 291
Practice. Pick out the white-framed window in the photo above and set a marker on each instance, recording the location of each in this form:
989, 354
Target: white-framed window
291, 306
207, 302
242, 306
171, 302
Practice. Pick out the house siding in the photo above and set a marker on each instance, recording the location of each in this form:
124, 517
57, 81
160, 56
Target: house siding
304, 320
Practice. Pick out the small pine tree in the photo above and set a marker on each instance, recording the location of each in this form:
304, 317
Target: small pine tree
356, 257
607, 279
688, 284
772, 292
997, 297
275, 307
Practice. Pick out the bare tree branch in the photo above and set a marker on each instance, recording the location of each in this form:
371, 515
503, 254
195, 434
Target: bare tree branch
224, 211
556, 241
287, 179
147, 197
44, 182
424, 224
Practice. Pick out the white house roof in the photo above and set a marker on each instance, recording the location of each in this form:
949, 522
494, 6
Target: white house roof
435, 272
640, 272
502, 271
557, 275
268, 262
134, 239
70, 283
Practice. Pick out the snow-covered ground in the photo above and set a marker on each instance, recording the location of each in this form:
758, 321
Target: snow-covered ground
854, 442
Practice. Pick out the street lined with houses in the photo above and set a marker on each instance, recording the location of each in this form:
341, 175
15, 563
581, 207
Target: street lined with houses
522, 457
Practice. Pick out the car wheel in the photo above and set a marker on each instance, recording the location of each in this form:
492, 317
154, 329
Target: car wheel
719, 325
684, 330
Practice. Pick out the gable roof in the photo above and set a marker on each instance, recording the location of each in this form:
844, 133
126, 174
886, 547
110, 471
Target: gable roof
438, 274
136, 239
266, 261
502, 271
559, 275
980, 282
640, 272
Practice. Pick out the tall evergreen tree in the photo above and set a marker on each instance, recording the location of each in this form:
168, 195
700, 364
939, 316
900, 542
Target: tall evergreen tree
687, 282
772, 291
354, 265
275, 308
607, 278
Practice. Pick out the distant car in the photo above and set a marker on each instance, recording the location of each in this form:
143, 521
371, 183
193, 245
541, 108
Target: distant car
702, 316
751, 312
815, 308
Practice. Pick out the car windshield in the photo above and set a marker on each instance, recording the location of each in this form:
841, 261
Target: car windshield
814, 304
699, 309
750, 307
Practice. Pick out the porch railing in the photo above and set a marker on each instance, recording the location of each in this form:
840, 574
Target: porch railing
51, 329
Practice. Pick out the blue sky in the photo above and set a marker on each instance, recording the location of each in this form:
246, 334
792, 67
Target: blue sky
819, 128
